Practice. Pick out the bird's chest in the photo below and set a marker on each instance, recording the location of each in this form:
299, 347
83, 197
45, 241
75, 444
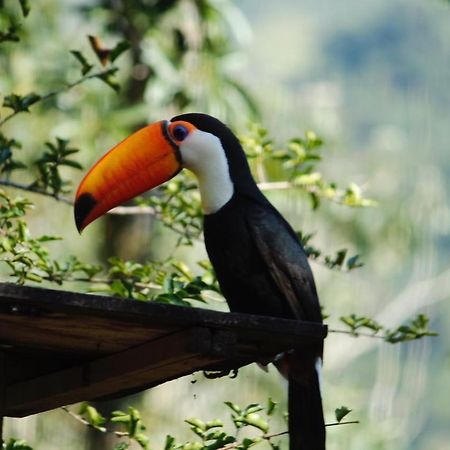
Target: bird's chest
241, 272
229, 245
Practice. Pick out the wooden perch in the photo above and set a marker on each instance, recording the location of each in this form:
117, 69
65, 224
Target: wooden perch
58, 348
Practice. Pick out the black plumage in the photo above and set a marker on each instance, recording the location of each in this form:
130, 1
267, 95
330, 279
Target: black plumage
262, 269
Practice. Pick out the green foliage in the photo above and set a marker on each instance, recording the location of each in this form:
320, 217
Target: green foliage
299, 158
133, 426
15, 444
109, 79
341, 412
119, 48
92, 416
170, 282
189, 62
49, 164
85, 66
25, 6
7, 163
248, 416
356, 323
20, 103
177, 204
27, 257
415, 328
10, 34
338, 261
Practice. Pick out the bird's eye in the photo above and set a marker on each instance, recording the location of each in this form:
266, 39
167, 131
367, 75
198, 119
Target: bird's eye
180, 132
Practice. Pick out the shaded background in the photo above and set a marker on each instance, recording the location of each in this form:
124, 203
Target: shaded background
372, 79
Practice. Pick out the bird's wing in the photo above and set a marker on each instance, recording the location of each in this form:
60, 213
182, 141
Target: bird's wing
286, 261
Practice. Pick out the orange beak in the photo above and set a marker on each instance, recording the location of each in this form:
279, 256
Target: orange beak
140, 162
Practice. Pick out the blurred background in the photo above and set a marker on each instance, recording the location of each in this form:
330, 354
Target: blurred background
370, 78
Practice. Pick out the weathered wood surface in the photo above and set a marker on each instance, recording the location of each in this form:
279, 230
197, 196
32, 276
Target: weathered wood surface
63, 347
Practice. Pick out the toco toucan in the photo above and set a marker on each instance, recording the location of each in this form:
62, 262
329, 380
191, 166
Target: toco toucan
260, 264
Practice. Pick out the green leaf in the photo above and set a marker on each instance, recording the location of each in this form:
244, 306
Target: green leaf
234, 407
170, 442
14, 444
354, 262
70, 163
10, 35
20, 103
94, 417
252, 408
115, 52
271, 406
255, 420
249, 442
25, 6
194, 422
86, 67
213, 424
122, 446
341, 412
142, 440
34, 277
108, 78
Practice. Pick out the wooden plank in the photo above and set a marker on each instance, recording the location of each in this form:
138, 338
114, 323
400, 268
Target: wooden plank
72, 333
151, 363
30, 300
64, 347
24, 364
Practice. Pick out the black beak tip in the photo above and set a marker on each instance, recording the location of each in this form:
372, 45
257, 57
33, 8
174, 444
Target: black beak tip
84, 204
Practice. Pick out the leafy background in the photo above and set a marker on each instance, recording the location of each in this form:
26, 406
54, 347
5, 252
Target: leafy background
370, 78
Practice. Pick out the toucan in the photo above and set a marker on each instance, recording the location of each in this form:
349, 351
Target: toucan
260, 264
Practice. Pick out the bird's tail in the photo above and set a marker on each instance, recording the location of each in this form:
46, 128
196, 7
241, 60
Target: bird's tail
306, 422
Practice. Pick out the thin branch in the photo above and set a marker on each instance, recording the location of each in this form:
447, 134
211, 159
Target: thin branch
86, 423
268, 437
356, 333
34, 190
56, 92
334, 424
119, 210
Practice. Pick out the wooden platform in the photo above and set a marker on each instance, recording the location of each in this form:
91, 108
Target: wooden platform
58, 348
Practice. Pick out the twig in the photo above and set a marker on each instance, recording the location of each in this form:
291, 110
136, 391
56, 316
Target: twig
59, 91
119, 210
356, 333
349, 422
268, 437
85, 422
34, 190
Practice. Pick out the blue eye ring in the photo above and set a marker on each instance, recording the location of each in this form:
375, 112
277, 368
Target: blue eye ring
180, 132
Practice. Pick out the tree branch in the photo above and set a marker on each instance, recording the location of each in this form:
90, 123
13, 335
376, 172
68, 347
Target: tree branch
268, 437
356, 333
56, 92
34, 190
86, 423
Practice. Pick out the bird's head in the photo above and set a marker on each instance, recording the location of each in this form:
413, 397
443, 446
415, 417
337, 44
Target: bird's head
155, 154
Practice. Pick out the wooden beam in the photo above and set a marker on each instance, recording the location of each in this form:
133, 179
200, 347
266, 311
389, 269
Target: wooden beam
25, 300
65, 347
74, 334
156, 361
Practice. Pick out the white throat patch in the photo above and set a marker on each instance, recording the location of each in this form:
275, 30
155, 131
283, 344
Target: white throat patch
203, 154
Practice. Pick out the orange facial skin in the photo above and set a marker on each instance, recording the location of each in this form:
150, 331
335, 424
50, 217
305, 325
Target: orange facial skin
144, 160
